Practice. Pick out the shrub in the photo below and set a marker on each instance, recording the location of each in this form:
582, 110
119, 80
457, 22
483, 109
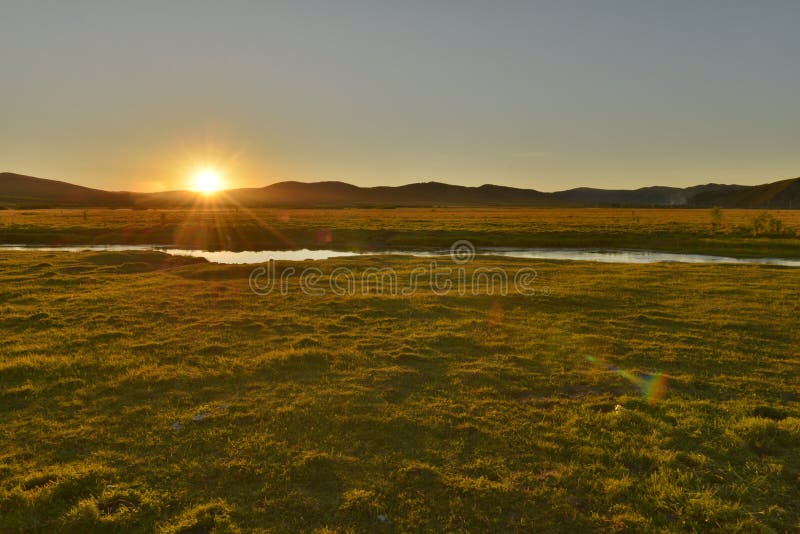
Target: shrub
766, 224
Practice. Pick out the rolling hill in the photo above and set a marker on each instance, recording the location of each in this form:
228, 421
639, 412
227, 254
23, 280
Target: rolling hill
646, 196
27, 191
784, 194
22, 191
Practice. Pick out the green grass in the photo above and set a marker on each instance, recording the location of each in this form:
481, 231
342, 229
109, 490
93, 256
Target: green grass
380, 413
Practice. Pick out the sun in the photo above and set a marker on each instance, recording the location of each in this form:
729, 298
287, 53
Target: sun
207, 180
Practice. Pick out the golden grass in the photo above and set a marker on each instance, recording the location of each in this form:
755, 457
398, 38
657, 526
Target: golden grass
404, 219
678, 230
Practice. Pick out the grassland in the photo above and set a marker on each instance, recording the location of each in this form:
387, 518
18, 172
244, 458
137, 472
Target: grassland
739, 233
141, 393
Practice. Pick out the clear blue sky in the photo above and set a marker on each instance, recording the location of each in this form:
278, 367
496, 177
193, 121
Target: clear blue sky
548, 95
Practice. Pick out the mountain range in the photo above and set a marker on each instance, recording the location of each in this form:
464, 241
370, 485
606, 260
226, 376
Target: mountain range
20, 191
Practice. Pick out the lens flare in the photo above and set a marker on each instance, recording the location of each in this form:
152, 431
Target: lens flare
653, 386
495, 315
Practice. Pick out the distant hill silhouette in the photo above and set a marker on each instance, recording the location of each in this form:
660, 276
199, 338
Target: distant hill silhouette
778, 195
17, 190
27, 191
419, 194
646, 196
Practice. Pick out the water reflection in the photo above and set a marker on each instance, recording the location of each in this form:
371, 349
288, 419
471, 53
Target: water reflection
262, 256
584, 254
631, 256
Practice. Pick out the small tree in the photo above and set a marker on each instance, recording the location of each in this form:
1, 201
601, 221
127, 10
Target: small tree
716, 220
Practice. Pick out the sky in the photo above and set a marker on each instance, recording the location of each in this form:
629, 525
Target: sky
543, 95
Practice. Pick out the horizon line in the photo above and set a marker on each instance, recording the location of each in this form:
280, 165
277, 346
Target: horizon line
487, 184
